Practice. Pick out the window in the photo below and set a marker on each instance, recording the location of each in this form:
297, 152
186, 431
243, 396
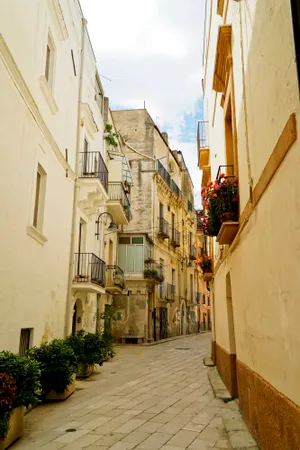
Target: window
173, 277
191, 287
25, 340
132, 252
203, 299
39, 201
161, 210
49, 61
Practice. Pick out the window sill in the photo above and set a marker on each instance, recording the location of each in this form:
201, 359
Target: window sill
48, 94
36, 234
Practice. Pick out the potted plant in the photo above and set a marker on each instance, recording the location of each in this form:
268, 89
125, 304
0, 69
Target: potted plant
154, 275
58, 365
109, 136
89, 350
19, 388
220, 200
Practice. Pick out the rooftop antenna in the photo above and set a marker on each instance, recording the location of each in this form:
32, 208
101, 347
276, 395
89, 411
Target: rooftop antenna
102, 76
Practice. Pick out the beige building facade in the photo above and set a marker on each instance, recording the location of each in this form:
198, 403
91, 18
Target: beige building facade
156, 250
251, 99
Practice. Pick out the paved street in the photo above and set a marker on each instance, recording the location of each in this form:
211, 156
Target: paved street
146, 398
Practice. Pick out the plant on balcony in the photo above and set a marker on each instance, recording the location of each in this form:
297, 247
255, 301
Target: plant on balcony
57, 362
154, 275
88, 349
205, 263
220, 200
110, 137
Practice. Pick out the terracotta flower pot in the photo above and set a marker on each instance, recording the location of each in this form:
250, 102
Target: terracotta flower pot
228, 217
16, 425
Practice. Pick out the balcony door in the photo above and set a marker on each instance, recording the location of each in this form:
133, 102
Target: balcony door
173, 227
85, 170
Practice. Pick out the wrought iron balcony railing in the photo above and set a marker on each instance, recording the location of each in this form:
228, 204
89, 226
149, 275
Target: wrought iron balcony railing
163, 228
170, 292
193, 252
116, 192
190, 206
115, 277
175, 238
93, 166
163, 172
88, 268
227, 170
176, 189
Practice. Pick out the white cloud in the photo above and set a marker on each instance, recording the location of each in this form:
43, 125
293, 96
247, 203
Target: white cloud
152, 52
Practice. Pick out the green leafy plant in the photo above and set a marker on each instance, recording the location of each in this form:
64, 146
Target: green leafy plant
8, 394
26, 374
149, 261
57, 362
154, 275
111, 137
88, 347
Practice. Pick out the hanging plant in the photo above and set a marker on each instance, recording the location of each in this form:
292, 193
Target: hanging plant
110, 136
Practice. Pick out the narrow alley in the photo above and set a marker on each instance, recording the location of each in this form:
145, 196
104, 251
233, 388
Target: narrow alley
147, 398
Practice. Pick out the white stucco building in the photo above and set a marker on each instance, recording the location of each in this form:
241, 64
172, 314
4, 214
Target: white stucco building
54, 180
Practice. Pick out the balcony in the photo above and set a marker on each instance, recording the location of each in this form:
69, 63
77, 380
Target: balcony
163, 172
203, 144
153, 272
193, 253
94, 181
190, 206
225, 170
166, 176
163, 228
118, 203
175, 238
170, 293
176, 189
115, 281
89, 273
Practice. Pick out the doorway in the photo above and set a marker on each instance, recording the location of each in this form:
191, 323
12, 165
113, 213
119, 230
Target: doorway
233, 387
77, 316
163, 323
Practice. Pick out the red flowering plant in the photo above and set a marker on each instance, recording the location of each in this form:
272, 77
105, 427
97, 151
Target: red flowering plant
219, 199
205, 263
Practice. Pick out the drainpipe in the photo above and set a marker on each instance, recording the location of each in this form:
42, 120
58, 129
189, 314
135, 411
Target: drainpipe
76, 183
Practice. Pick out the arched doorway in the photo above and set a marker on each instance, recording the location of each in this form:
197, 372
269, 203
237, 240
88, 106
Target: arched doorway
77, 316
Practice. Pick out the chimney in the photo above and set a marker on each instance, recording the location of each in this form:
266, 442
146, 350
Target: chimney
166, 137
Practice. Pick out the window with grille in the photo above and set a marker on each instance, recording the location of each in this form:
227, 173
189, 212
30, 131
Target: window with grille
25, 340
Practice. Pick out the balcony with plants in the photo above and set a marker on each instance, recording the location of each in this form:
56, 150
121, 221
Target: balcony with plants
153, 273
205, 263
118, 203
221, 203
115, 280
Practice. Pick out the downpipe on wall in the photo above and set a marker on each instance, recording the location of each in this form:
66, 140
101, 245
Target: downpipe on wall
76, 183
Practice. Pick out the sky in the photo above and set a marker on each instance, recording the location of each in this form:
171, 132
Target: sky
151, 50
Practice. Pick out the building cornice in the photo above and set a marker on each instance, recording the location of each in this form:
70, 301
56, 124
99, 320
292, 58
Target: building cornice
88, 119
24, 91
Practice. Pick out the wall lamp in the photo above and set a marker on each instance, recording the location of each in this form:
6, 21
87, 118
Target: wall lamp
112, 227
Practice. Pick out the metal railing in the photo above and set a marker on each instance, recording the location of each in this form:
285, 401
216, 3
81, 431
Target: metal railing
175, 237
88, 268
170, 292
193, 252
116, 192
190, 206
163, 227
198, 297
176, 189
115, 276
202, 134
163, 172
227, 170
93, 166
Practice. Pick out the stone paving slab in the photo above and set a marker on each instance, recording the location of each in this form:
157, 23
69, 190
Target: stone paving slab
146, 398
